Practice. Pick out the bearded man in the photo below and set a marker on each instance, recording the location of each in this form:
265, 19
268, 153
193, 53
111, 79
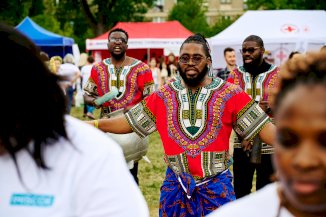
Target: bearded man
256, 77
134, 81
194, 116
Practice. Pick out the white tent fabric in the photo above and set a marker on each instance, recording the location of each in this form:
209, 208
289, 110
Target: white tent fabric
282, 31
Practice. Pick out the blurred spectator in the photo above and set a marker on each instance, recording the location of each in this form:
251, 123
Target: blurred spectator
156, 72
85, 74
268, 57
294, 54
172, 66
55, 63
45, 58
230, 59
69, 70
164, 72
82, 60
323, 48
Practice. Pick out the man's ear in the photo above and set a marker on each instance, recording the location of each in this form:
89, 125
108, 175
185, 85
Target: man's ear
209, 60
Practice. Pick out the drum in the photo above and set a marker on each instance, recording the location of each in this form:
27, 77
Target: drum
134, 147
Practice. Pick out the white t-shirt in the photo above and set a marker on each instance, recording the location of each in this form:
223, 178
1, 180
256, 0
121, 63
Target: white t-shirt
86, 73
263, 203
88, 177
69, 70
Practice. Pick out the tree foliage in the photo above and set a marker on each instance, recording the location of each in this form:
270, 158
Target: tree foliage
286, 4
104, 14
191, 14
11, 13
79, 19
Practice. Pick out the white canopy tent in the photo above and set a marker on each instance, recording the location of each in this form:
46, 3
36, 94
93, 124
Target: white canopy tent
282, 31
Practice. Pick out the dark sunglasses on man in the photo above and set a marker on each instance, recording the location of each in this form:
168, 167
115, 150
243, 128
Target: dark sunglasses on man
250, 50
196, 59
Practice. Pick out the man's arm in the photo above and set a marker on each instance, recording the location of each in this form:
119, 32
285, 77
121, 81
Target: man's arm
118, 125
268, 134
89, 100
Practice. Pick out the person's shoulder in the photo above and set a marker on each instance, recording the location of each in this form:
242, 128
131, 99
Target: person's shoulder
139, 65
261, 203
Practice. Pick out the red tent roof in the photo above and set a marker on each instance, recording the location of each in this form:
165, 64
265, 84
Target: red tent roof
169, 29
145, 35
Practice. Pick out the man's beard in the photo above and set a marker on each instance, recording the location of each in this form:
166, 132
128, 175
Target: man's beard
118, 56
193, 82
253, 65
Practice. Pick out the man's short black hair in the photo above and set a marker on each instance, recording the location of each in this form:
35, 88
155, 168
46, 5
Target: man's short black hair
256, 39
228, 49
118, 30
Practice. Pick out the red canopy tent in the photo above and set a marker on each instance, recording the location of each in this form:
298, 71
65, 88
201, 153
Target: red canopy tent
145, 39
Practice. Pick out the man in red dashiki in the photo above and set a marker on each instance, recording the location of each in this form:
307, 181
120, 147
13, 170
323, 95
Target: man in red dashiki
194, 116
256, 77
134, 82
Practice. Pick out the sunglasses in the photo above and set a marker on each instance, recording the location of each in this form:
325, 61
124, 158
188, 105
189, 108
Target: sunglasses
120, 40
250, 50
196, 59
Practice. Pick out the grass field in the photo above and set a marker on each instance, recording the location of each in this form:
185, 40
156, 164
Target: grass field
150, 175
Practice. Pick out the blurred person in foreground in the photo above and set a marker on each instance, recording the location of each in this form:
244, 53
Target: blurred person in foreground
294, 54
133, 81
194, 116
230, 59
299, 105
256, 77
53, 164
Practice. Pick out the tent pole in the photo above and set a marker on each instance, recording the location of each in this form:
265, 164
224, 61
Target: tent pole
148, 55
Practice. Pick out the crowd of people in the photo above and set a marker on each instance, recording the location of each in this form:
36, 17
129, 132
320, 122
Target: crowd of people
255, 116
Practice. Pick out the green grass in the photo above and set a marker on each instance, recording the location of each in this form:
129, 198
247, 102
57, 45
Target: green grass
150, 175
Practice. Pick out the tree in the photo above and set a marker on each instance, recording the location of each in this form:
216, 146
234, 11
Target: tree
191, 14
11, 13
286, 4
47, 19
104, 14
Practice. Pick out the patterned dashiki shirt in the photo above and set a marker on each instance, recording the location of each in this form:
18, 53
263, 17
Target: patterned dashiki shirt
195, 130
257, 88
134, 82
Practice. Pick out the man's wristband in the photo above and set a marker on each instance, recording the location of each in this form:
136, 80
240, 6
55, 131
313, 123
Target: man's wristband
96, 124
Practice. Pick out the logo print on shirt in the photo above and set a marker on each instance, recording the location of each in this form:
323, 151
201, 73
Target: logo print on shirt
31, 200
